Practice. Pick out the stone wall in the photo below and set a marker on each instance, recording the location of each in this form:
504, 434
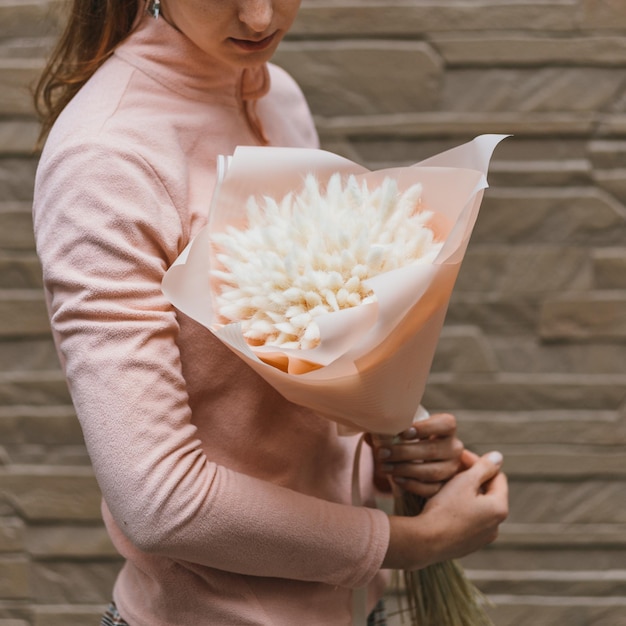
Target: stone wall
533, 355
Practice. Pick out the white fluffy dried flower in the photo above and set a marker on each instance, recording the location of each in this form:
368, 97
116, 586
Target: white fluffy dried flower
310, 254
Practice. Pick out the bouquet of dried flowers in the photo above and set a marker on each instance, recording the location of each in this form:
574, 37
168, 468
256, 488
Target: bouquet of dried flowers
332, 282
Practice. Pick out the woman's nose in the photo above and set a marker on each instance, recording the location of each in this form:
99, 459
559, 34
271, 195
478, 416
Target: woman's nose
256, 14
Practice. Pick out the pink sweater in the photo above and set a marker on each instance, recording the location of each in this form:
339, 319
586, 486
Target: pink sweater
230, 504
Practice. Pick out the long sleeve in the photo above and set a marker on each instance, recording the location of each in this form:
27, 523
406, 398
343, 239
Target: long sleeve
106, 230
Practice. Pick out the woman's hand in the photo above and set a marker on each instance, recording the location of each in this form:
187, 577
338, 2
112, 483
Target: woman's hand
461, 518
421, 459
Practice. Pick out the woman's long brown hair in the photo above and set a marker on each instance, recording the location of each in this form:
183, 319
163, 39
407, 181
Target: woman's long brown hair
94, 29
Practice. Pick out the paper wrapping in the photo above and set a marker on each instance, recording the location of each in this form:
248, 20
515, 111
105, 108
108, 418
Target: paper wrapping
370, 369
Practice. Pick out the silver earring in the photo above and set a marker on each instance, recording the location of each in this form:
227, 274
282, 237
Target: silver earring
154, 8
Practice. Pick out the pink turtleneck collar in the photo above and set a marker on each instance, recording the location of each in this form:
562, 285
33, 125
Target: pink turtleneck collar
165, 54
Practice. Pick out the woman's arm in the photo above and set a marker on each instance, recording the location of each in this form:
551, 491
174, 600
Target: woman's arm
106, 232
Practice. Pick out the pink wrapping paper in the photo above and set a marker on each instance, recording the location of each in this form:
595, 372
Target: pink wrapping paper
370, 369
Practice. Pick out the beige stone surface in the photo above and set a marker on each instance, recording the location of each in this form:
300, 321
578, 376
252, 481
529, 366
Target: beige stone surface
17, 75
532, 358
364, 76
595, 316
609, 268
46, 493
11, 534
66, 614
397, 18
16, 224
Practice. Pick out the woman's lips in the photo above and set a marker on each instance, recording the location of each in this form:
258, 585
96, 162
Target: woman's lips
252, 45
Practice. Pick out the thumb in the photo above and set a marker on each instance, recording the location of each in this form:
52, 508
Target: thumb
486, 467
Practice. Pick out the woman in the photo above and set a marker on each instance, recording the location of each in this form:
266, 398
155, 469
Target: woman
229, 504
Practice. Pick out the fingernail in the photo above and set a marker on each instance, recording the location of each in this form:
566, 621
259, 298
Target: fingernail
399, 479
387, 467
410, 433
384, 453
495, 457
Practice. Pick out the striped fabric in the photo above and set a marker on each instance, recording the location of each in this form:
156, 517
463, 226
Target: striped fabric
377, 617
112, 617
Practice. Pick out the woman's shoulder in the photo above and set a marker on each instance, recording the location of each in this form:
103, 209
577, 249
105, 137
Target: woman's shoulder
111, 124
285, 108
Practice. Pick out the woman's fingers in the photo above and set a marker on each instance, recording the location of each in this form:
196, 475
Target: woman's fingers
423, 457
436, 472
439, 449
468, 459
437, 425
485, 468
462, 516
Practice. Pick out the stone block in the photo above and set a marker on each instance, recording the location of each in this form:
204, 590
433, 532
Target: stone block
597, 316
396, 18
69, 542
612, 181
578, 503
30, 18
517, 162
16, 226
549, 89
34, 48
510, 607
18, 136
504, 557
17, 177
39, 388
584, 216
11, 534
567, 536
605, 154
43, 425
23, 313
525, 392
528, 354
44, 493
561, 173
79, 614
19, 271
532, 269
51, 455
533, 49
67, 582
364, 77
6, 509
549, 582
494, 428
603, 14
537, 610
609, 268
555, 461
27, 354
17, 77
611, 125
459, 124
547, 150
14, 582
463, 349
492, 313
